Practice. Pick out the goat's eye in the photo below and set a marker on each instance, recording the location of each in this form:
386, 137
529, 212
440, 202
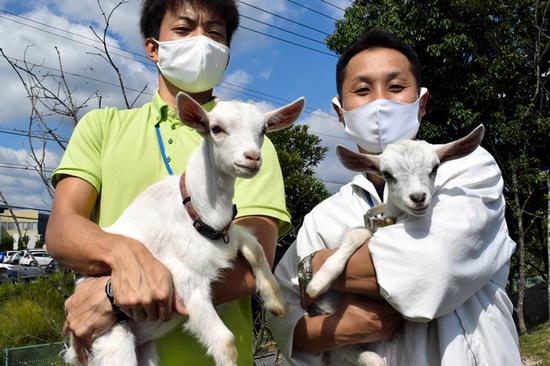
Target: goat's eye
434, 171
217, 130
388, 177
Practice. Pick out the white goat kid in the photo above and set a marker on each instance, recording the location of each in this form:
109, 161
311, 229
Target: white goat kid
409, 168
233, 134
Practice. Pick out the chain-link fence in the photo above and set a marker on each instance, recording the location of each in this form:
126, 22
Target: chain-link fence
270, 359
49, 355
39, 355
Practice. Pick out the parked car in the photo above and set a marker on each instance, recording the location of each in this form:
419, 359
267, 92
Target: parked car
13, 256
36, 257
8, 275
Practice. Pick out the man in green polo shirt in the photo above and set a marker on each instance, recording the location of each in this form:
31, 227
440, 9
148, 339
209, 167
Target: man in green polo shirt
115, 154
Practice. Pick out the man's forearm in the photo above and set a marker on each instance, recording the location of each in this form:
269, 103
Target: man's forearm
359, 276
315, 334
83, 246
239, 276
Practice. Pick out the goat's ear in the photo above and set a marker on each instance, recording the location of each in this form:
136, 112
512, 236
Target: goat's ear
191, 113
358, 162
461, 147
285, 116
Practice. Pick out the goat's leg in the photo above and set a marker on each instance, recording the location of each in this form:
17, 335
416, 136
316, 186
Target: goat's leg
205, 323
147, 354
336, 263
116, 347
266, 284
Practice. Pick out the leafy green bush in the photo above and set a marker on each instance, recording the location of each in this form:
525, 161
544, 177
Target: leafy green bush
32, 312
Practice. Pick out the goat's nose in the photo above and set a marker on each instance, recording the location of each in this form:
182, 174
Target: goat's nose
252, 155
418, 197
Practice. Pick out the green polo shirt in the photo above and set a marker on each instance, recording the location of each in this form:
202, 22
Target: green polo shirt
118, 153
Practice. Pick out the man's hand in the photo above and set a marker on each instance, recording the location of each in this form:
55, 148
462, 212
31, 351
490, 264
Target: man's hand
89, 314
142, 286
363, 320
358, 320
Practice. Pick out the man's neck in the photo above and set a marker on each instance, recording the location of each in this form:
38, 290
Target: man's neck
168, 93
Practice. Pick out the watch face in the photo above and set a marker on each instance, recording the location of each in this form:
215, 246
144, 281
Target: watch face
109, 289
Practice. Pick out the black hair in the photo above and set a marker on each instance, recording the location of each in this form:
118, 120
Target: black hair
376, 38
153, 11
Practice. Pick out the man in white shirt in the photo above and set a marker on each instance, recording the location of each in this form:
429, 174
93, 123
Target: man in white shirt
444, 272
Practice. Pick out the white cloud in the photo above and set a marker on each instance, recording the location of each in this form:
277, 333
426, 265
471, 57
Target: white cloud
233, 84
38, 47
331, 132
266, 73
24, 187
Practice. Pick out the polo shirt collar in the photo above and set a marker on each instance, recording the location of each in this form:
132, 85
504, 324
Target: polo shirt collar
160, 111
360, 181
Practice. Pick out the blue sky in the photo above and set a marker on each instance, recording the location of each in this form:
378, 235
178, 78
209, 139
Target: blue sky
263, 70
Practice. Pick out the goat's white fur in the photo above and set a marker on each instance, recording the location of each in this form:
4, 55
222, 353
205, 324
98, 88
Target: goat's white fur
409, 168
158, 219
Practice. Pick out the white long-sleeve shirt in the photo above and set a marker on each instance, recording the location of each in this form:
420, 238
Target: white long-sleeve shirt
444, 272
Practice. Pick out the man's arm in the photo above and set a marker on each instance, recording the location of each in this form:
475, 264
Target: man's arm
359, 276
265, 229
358, 320
142, 285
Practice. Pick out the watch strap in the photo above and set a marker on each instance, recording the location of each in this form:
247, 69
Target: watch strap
117, 312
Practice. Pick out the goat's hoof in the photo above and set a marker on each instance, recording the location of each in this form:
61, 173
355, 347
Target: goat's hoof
226, 355
315, 289
279, 310
369, 358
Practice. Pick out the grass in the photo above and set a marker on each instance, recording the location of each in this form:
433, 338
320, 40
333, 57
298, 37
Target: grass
535, 346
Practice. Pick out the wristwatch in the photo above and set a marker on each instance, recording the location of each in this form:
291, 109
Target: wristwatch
119, 314
305, 272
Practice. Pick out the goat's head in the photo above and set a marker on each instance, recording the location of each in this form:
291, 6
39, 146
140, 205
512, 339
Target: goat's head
234, 131
409, 167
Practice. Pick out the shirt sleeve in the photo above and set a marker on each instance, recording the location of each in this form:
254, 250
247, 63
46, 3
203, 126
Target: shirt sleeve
83, 155
322, 228
429, 266
286, 274
264, 194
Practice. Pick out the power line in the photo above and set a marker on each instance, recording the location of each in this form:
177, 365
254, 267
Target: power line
26, 134
130, 58
312, 10
145, 93
282, 29
72, 33
27, 208
334, 6
287, 41
282, 17
67, 38
21, 167
313, 112
113, 84
80, 75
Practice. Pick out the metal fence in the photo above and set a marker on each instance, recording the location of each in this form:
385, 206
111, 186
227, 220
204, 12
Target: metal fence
49, 355
39, 355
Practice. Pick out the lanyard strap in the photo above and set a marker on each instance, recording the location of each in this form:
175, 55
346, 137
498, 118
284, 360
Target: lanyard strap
368, 196
161, 146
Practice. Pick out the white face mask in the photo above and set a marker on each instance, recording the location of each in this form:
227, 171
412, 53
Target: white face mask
194, 64
375, 125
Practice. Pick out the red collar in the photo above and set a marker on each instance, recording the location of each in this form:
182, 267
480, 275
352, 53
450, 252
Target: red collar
198, 224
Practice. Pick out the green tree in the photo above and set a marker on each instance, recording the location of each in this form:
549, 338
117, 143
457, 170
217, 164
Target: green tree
483, 62
23, 242
299, 154
7, 242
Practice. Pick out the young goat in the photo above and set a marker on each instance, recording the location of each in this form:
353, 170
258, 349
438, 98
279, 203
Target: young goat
233, 134
409, 169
